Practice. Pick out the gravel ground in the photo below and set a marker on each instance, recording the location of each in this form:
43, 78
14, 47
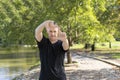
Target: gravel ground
85, 69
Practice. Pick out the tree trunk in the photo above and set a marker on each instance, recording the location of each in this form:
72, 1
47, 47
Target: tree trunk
69, 58
93, 47
87, 46
70, 41
110, 45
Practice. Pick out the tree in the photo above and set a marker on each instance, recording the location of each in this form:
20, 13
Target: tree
18, 18
110, 19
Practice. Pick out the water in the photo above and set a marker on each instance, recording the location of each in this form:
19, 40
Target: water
14, 64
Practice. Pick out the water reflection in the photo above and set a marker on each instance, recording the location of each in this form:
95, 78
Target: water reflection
14, 64
7, 73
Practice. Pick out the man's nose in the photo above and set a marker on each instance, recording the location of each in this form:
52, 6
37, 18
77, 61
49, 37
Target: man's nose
53, 33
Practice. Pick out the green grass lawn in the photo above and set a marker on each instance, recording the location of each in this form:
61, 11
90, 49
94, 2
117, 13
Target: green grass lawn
102, 48
105, 45
77, 46
116, 56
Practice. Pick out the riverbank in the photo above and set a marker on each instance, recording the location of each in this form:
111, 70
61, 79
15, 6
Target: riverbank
17, 50
16, 60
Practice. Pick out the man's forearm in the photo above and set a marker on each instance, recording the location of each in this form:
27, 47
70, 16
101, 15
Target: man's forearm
40, 28
42, 25
65, 44
38, 31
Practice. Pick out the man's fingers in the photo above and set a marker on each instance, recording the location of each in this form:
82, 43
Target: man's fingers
62, 34
47, 21
47, 24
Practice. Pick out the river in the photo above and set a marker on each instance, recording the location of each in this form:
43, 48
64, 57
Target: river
13, 64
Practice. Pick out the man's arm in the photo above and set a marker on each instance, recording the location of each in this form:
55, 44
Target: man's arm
39, 29
38, 32
65, 44
63, 37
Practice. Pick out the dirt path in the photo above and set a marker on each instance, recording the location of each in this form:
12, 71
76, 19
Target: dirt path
91, 69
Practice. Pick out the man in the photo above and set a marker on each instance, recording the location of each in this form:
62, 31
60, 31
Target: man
52, 51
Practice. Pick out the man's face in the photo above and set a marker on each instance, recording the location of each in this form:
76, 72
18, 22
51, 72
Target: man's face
52, 32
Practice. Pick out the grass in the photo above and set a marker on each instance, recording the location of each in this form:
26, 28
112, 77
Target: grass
35, 65
116, 56
105, 45
102, 48
77, 46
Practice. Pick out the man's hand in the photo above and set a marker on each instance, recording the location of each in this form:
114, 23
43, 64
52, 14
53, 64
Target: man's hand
47, 24
39, 29
62, 36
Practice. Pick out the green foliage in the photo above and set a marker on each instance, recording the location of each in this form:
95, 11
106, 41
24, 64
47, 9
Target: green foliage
85, 21
18, 19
